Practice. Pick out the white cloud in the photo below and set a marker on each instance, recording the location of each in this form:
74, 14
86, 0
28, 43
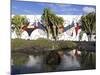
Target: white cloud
88, 9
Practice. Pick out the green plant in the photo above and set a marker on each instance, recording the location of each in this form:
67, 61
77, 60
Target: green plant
51, 22
89, 24
18, 21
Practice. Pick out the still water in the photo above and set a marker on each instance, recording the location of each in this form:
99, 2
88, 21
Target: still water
36, 63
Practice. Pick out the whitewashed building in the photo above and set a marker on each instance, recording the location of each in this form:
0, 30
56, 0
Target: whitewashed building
38, 33
68, 34
13, 35
24, 35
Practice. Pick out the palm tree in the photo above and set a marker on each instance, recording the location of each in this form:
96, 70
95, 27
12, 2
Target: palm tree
60, 21
57, 21
18, 21
51, 22
45, 19
89, 24
53, 19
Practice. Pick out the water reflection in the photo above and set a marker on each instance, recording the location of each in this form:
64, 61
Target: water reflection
12, 62
69, 63
36, 63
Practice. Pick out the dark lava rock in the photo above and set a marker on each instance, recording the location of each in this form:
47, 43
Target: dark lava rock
53, 58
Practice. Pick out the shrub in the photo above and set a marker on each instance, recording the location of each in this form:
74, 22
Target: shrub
42, 43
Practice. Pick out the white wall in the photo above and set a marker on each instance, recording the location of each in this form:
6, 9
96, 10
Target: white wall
67, 18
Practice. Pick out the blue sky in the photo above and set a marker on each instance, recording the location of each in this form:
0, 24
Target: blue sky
35, 8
